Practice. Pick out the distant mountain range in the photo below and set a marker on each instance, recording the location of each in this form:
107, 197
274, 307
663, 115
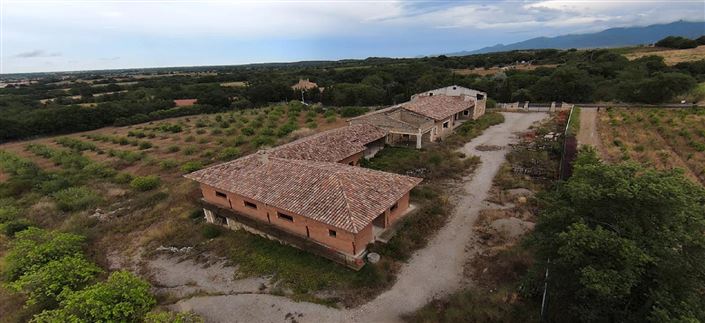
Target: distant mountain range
613, 37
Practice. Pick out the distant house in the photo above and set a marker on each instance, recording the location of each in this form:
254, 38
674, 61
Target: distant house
428, 116
304, 85
308, 193
185, 102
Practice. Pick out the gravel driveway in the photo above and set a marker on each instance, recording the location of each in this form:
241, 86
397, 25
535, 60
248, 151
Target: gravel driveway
432, 272
587, 134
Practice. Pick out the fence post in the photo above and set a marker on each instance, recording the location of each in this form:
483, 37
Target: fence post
561, 169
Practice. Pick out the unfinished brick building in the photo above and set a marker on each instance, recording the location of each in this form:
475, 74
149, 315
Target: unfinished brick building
309, 194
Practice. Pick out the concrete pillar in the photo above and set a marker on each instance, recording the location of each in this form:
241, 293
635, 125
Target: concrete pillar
553, 107
418, 140
210, 218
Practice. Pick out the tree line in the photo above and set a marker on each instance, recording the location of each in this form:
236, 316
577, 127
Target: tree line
572, 76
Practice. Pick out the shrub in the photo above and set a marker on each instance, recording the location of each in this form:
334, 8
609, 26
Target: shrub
33, 248
247, 131
145, 183
261, 140
76, 198
10, 228
122, 178
173, 148
208, 153
211, 231
123, 297
99, 170
286, 129
168, 164
167, 127
8, 210
191, 166
44, 285
196, 214
229, 153
189, 150
239, 140
145, 145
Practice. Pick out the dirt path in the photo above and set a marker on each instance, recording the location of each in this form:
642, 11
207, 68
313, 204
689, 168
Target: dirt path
432, 272
588, 135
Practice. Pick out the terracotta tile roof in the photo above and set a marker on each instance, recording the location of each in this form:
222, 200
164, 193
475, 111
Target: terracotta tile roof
438, 107
343, 196
332, 145
304, 85
184, 102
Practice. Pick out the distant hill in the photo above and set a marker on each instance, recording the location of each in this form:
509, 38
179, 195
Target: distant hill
613, 37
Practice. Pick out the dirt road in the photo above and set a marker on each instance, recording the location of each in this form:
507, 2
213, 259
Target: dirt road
432, 272
587, 135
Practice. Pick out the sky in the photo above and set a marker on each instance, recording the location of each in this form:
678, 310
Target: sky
56, 35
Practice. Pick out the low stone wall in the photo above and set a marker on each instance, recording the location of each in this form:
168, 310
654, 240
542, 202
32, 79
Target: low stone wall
237, 221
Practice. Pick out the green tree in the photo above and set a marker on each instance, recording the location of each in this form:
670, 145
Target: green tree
677, 42
46, 284
564, 84
625, 244
33, 248
123, 297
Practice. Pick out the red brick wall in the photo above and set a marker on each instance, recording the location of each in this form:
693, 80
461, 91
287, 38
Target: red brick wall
403, 205
343, 241
355, 159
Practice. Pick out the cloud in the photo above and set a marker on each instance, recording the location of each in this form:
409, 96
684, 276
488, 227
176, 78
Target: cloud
36, 53
126, 33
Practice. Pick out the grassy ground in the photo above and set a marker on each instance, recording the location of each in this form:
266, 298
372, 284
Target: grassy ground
661, 138
93, 183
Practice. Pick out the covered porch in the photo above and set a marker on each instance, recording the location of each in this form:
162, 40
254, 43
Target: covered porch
409, 139
383, 231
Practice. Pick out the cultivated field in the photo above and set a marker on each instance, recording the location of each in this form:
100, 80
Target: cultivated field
670, 56
122, 187
662, 138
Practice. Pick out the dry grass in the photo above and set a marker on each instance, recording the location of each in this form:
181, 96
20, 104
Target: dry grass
660, 138
496, 69
671, 56
234, 84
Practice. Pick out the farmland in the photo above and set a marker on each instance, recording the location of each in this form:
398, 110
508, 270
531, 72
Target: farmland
670, 56
121, 187
660, 138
